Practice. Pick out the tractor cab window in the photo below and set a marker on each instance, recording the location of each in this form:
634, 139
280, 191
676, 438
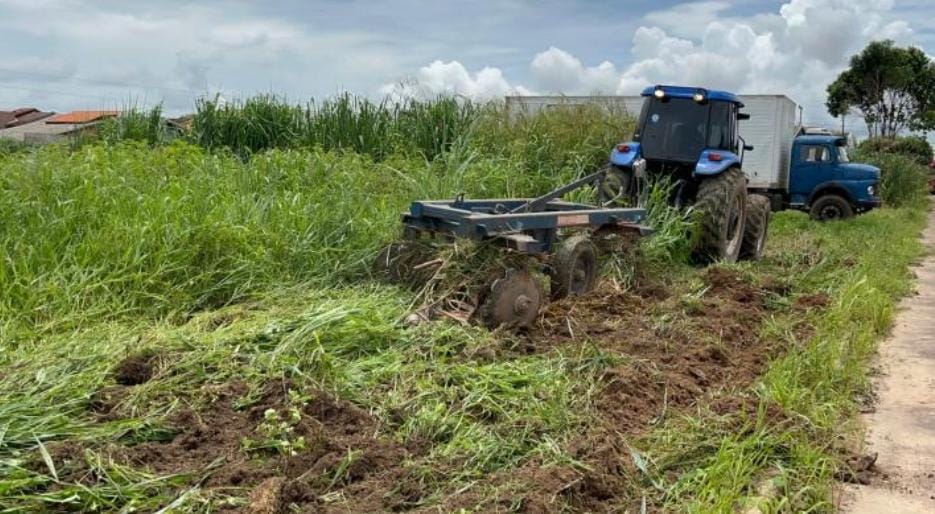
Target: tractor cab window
673, 129
720, 130
815, 153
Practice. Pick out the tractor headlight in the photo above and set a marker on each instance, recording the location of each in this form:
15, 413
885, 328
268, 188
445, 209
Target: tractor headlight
698, 97
659, 93
871, 190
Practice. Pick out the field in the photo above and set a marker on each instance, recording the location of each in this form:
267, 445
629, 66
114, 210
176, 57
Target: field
191, 326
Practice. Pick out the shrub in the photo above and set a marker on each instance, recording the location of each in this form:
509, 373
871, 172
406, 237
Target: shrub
914, 147
903, 180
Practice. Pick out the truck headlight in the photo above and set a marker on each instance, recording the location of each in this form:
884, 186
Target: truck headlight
872, 190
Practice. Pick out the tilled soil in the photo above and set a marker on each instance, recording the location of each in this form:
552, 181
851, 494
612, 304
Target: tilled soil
674, 350
676, 354
343, 455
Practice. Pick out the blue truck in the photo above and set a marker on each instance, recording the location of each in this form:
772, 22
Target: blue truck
736, 160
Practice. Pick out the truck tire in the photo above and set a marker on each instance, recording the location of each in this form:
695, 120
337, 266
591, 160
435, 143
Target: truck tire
722, 201
830, 207
574, 269
756, 227
617, 187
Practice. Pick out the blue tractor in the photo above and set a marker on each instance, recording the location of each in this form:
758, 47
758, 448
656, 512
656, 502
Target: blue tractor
691, 136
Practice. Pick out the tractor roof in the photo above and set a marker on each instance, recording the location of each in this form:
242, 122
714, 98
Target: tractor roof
688, 92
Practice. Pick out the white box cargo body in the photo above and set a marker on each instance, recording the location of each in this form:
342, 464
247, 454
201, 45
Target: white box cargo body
770, 129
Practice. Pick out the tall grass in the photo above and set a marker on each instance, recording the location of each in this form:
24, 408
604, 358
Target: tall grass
135, 124
115, 230
346, 122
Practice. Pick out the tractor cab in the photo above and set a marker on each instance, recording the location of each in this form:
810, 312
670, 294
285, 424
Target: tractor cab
677, 124
679, 129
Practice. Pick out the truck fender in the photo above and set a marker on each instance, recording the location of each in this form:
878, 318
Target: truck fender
831, 186
722, 161
619, 158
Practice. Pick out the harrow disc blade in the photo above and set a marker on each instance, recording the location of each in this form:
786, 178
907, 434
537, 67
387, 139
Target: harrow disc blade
513, 300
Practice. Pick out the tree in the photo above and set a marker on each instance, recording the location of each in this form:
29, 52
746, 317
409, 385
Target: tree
893, 87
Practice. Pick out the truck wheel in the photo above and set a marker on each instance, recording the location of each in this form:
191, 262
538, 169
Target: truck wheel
722, 201
831, 207
756, 227
617, 187
574, 270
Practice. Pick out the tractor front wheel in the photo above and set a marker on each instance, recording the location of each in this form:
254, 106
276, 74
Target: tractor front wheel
722, 201
831, 207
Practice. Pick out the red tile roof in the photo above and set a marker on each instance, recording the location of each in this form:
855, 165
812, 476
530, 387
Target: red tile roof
79, 117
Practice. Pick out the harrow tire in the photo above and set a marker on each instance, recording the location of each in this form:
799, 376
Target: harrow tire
722, 201
574, 269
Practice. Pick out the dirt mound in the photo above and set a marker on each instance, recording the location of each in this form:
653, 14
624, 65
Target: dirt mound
136, 368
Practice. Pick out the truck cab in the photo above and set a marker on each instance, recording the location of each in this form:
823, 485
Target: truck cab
823, 181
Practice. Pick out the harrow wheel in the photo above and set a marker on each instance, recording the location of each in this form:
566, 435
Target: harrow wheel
513, 300
574, 269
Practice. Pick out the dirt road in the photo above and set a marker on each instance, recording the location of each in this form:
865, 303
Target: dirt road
901, 430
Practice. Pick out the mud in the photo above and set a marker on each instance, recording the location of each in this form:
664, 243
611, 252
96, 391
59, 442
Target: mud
136, 368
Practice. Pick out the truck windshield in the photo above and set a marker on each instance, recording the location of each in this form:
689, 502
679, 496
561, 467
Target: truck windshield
842, 154
677, 129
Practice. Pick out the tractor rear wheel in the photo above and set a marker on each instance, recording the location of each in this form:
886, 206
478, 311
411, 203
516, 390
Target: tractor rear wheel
574, 268
617, 187
756, 227
722, 201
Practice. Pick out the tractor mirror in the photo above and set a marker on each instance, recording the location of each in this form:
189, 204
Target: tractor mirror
743, 116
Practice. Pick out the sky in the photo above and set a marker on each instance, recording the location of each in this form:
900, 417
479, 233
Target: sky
77, 54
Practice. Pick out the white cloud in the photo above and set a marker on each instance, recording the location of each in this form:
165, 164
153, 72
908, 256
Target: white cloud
556, 70
689, 19
452, 78
796, 51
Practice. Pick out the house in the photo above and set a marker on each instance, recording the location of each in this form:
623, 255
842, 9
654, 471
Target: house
22, 116
56, 127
